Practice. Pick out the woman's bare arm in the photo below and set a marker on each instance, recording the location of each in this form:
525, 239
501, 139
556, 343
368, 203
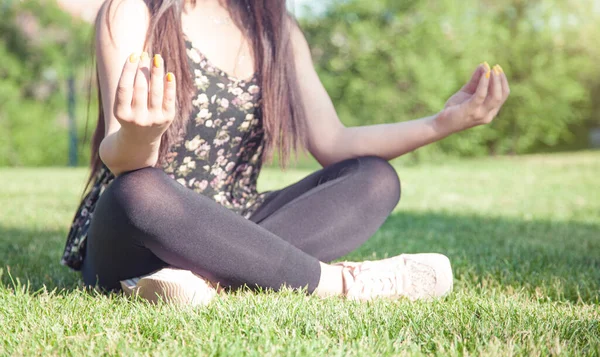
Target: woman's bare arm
329, 141
123, 78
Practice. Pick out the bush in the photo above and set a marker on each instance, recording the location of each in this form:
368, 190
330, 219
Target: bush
386, 61
381, 61
40, 47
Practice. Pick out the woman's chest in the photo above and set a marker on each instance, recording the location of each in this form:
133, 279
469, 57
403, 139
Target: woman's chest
221, 104
221, 40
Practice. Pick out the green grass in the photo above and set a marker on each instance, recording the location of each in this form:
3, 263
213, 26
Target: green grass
523, 235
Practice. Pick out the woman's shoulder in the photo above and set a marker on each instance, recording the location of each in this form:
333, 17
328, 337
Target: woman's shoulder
123, 14
300, 46
121, 27
131, 7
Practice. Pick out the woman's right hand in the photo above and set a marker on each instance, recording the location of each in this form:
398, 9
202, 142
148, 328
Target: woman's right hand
145, 99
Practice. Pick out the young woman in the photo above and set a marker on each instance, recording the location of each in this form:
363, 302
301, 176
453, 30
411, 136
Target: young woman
183, 130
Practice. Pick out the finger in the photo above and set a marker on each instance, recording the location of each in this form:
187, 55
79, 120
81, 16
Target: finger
471, 86
124, 94
170, 95
156, 84
494, 98
504, 82
140, 94
482, 89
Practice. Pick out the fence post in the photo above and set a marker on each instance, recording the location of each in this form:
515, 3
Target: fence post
72, 123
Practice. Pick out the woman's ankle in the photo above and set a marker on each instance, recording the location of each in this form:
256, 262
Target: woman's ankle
331, 282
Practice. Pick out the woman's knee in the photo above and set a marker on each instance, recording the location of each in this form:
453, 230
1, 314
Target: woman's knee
132, 181
136, 191
380, 181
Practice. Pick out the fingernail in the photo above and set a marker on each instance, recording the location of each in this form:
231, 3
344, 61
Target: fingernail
496, 70
157, 61
170, 77
133, 58
488, 73
144, 56
487, 66
500, 68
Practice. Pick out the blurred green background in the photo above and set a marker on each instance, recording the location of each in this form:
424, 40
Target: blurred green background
380, 60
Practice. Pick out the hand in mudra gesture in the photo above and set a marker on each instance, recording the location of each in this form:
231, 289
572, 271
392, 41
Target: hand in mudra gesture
145, 99
478, 102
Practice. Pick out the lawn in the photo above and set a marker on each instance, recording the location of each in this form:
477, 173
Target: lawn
523, 235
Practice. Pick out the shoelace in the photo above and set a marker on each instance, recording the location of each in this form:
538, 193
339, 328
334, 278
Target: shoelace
370, 281
393, 278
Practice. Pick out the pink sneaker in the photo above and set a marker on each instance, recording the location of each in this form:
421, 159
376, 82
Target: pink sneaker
173, 285
414, 276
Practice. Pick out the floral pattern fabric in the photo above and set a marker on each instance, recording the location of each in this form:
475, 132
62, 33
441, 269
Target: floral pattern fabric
219, 156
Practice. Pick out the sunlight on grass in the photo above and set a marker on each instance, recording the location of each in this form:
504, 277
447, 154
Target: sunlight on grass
523, 235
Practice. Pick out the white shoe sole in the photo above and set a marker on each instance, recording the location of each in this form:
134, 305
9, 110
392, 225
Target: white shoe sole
175, 286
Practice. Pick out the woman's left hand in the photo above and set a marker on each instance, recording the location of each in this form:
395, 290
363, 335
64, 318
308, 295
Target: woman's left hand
477, 103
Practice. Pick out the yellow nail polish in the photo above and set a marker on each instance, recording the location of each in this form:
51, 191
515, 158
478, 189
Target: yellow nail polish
488, 73
170, 77
487, 66
133, 58
496, 70
144, 56
500, 68
157, 61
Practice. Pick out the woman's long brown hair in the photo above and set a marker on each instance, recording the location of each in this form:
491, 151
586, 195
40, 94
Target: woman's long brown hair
267, 25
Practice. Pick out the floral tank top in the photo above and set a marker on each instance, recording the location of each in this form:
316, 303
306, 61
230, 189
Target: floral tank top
219, 156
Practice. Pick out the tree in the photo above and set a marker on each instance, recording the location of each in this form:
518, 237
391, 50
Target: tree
387, 61
39, 46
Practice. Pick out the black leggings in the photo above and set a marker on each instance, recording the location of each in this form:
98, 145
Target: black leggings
145, 221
